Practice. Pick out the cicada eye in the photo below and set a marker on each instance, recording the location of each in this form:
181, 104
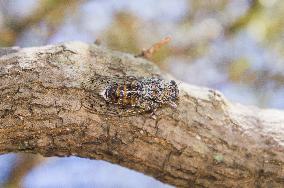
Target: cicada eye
174, 89
172, 82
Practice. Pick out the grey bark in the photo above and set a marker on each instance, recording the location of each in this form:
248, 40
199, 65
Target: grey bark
46, 92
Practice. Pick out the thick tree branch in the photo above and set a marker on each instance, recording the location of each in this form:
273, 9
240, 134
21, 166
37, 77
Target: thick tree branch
207, 141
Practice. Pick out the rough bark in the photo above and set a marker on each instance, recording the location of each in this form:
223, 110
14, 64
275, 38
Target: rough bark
206, 142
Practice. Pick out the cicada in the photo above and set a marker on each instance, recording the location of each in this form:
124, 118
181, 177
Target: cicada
130, 95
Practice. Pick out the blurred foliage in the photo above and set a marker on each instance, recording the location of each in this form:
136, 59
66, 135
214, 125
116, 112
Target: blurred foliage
23, 164
122, 34
238, 69
252, 13
51, 12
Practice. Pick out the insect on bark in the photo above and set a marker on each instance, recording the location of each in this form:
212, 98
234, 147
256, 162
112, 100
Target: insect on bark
137, 95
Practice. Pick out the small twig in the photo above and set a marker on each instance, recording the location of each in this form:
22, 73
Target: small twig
98, 41
148, 53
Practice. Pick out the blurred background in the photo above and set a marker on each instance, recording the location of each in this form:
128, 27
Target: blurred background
235, 46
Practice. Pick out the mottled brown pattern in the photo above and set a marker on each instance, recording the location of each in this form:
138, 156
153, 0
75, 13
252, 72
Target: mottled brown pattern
141, 94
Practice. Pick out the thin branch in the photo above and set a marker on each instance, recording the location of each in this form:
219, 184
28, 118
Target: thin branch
148, 53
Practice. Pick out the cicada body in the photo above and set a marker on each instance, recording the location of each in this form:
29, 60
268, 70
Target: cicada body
140, 95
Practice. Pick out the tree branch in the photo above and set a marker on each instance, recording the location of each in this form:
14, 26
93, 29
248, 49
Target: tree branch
207, 141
